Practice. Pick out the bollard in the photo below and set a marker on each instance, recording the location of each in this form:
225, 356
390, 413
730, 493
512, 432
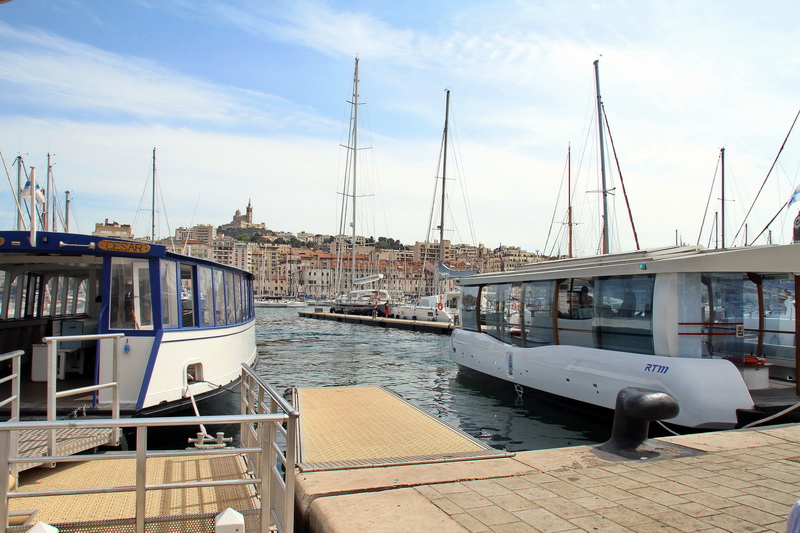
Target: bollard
634, 410
229, 521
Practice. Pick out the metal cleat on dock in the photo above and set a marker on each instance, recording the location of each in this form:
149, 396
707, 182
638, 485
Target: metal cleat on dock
204, 441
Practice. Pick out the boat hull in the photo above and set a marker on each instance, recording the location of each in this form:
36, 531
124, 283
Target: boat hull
595, 377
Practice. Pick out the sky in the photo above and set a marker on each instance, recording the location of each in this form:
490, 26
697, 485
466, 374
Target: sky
248, 100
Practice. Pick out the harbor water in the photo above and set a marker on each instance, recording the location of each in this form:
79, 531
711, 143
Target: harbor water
303, 352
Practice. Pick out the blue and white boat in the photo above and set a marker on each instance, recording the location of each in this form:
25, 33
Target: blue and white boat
188, 323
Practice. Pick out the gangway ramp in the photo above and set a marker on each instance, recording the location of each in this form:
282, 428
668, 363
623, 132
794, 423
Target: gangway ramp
33, 443
359, 427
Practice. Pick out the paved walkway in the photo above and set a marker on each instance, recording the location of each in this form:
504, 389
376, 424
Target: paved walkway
742, 481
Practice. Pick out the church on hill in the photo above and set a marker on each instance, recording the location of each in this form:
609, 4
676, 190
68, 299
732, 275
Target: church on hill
245, 221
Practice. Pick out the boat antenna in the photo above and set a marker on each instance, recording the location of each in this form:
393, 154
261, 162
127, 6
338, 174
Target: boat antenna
602, 155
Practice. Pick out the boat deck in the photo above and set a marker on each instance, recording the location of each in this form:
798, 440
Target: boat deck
779, 393
357, 427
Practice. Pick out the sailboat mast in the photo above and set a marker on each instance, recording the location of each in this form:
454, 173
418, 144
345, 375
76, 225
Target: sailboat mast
46, 210
569, 195
355, 152
444, 196
602, 155
153, 203
722, 209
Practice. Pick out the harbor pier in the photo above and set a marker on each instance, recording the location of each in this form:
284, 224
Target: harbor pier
735, 481
444, 328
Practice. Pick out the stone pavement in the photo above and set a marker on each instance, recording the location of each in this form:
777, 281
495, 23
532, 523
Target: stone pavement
741, 481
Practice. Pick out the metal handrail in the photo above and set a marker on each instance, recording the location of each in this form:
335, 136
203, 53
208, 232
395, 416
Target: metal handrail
13, 398
258, 397
52, 374
265, 448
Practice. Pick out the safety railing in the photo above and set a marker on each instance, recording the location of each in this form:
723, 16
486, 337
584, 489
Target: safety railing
277, 465
53, 394
260, 452
13, 398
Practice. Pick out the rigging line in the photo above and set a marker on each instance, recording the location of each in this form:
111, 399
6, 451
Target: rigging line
191, 225
708, 201
11, 186
555, 208
463, 186
774, 162
621, 181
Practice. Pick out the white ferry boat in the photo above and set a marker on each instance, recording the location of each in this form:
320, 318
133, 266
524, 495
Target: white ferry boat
188, 323
715, 329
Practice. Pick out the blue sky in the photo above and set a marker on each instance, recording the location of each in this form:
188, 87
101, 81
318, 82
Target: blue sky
248, 100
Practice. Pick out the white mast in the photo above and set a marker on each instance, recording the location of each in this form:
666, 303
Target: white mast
444, 197
355, 152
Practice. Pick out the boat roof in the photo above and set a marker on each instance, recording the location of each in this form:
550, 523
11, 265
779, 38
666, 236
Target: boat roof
78, 244
763, 259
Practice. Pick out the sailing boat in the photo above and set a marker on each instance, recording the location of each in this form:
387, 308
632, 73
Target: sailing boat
361, 301
442, 306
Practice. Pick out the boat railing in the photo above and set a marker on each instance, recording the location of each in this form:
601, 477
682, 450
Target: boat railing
265, 448
52, 376
13, 398
278, 465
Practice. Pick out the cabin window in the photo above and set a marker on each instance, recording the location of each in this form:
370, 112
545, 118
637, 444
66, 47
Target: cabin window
239, 281
61, 303
514, 315
779, 309
187, 296
219, 298
537, 308
205, 278
3, 292
575, 299
469, 308
624, 313
230, 300
10, 285
724, 298
32, 295
497, 299
130, 304
169, 294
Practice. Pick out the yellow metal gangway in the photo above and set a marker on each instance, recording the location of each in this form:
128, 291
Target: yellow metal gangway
116, 490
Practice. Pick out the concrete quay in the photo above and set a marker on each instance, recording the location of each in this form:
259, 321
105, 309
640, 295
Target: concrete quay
738, 481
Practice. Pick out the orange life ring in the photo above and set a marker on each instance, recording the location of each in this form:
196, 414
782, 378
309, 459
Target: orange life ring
752, 360
439, 306
513, 306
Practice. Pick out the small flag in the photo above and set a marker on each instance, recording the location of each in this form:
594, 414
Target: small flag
795, 196
38, 192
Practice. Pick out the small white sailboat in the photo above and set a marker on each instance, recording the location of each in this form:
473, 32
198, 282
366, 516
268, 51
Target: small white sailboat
440, 305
